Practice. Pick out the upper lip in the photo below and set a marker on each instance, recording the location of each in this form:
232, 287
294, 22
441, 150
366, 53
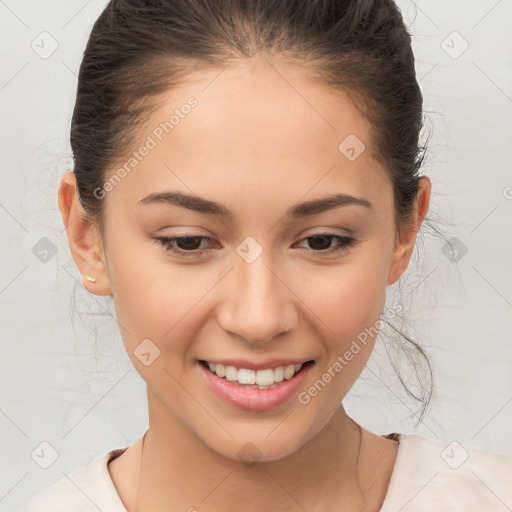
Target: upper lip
251, 365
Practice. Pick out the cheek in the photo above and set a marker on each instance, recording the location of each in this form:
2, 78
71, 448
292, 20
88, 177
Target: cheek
348, 296
162, 301
349, 299
154, 298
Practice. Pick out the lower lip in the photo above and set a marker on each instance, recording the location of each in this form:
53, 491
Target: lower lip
255, 399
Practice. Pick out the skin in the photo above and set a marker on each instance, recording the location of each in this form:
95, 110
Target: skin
257, 146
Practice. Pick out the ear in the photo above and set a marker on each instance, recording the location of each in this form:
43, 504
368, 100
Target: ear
404, 244
83, 237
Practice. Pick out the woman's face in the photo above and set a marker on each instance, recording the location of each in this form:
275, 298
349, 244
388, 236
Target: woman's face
258, 140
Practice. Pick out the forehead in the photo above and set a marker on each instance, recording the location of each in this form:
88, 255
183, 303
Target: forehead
270, 109
258, 130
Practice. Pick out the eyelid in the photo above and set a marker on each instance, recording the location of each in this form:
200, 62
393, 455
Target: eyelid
344, 244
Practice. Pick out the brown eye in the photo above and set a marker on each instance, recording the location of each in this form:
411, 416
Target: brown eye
183, 245
321, 242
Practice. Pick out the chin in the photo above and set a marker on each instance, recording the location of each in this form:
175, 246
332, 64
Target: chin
258, 447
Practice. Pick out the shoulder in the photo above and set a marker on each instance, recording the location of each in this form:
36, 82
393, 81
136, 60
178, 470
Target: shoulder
448, 475
87, 489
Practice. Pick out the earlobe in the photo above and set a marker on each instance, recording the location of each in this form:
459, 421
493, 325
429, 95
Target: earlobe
405, 246
83, 238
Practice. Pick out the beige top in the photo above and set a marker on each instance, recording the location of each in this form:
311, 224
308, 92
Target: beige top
428, 476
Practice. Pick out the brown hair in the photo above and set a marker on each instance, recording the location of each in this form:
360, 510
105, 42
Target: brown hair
141, 48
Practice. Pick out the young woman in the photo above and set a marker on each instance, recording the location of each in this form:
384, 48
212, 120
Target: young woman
246, 186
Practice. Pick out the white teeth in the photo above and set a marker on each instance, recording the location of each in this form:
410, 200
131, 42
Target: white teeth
231, 373
261, 379
265, 377
246, 376
289, 371
219, 369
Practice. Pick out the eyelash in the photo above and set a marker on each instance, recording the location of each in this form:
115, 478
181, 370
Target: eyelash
344, 243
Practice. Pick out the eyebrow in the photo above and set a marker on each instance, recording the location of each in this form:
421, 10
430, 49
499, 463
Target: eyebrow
201, 205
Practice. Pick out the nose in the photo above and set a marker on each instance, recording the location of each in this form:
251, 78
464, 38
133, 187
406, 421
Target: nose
258, 303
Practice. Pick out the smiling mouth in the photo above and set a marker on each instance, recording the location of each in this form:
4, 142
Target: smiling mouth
252, 379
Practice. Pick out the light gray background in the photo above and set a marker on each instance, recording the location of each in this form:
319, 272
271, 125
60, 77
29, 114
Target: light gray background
65, 378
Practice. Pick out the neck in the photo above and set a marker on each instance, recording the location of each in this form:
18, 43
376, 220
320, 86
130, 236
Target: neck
180, 472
